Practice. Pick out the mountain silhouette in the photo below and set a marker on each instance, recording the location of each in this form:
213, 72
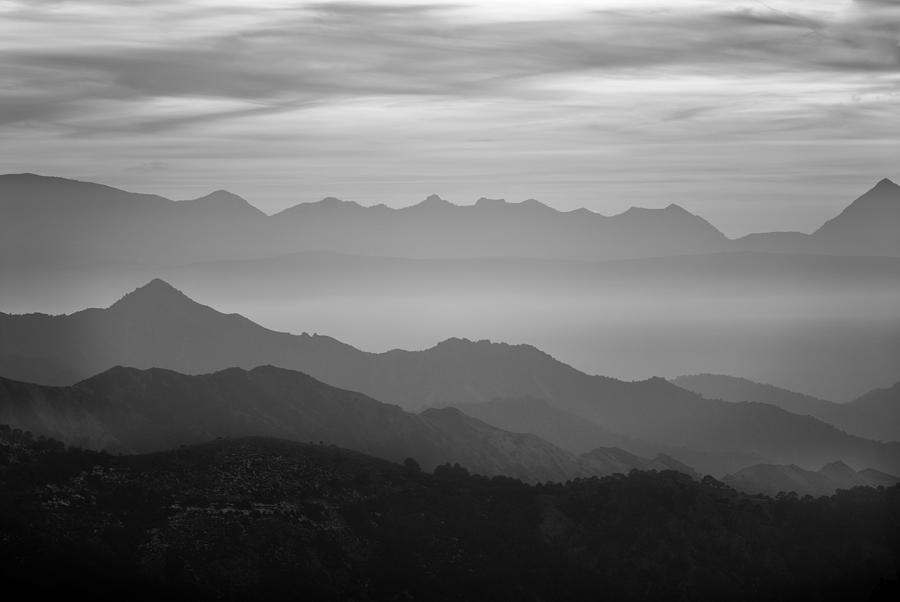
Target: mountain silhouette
157, 326
131, 410
852, 330
868, 226
771, 479
60, 222
875, 415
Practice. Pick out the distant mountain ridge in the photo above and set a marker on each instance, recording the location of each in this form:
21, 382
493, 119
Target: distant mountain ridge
158, 326
875, 415
770, 479
74, 223
58, 222
868, 226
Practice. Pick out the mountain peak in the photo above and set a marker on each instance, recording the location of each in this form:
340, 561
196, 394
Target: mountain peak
222, 199
884, 190
870, 222
155, 293
837, 465
886, 183
433, 200
221, 194
536, 204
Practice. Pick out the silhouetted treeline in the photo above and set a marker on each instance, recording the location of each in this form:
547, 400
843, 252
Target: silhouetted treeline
271, 519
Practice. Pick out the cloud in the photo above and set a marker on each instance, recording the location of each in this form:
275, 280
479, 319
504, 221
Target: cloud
288, 57
362, 99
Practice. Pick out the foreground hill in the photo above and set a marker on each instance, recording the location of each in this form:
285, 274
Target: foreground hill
875, 415
770, 479
130, 410
158, 326
268, 519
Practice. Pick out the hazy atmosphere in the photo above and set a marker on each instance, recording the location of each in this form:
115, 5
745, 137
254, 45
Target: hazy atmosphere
452, 301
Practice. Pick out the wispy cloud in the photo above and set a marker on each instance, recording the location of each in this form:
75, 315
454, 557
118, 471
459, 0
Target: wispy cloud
320, 51
350, 75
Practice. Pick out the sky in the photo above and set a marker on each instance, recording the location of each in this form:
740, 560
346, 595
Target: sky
758, 115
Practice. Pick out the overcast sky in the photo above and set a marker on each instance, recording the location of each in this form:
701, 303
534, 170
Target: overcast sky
758, 115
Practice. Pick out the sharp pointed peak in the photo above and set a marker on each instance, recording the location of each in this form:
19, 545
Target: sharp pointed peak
883, 188
434, 200
158, 284
154, 293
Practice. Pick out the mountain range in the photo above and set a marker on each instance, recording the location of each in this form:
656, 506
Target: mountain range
126, 410
54, 222
648, 292
158, 326
138, 411
875, 415
769, 479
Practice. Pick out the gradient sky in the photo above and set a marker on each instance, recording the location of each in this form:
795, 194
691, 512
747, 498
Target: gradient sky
758, 115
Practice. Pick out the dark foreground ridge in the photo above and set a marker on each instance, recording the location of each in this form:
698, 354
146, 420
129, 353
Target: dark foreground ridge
269, 519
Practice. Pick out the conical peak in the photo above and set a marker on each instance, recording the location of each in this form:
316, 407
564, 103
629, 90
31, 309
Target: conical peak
158, 285
155, 292
433, 200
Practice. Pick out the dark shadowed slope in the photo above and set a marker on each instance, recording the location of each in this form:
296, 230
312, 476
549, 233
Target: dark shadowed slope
265, 519
157, 326
125, 409
875, 415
